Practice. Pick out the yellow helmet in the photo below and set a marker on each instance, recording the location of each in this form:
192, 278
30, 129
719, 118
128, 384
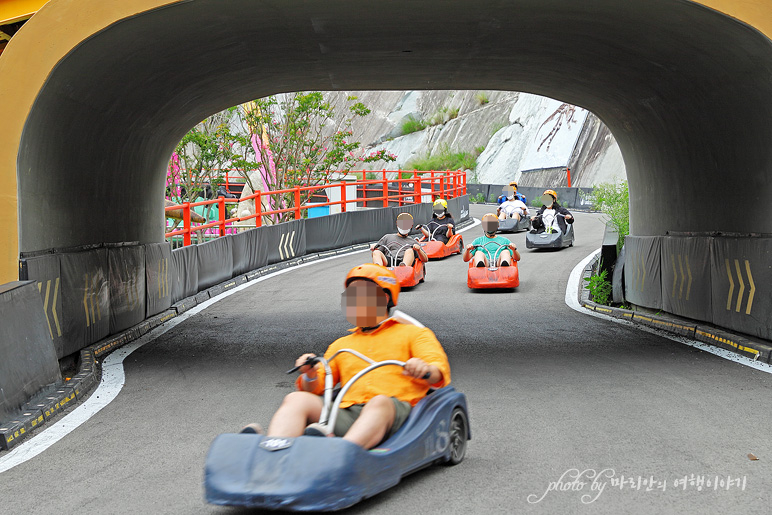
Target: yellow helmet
441, 202
378, 274
513, 184
551, 192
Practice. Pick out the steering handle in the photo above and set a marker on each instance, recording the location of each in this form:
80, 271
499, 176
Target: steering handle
309, 361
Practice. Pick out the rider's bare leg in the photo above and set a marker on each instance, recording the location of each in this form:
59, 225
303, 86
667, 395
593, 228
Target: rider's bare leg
480, 259
409, 257
373, 423
296, 411
379, 258
505, 258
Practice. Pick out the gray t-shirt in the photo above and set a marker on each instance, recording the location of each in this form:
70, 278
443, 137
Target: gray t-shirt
395, 244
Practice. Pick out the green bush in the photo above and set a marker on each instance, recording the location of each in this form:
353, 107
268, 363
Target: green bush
477, 199
481, 97
600, 288
613, 200
445, 159
413, 125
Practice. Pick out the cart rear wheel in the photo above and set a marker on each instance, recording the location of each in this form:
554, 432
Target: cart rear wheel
459, 434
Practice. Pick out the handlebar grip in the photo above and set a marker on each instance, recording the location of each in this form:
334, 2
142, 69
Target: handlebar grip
309, 361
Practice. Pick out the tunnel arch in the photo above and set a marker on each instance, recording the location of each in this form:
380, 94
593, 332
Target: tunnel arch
685, 90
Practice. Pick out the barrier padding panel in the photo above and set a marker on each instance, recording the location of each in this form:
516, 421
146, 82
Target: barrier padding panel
328, 232
566, 196
248, 251
531, 194
618, 278
127, 286
741, 277
85, 298
686, 280
582, 198
371, 224
46, 270
643, 285
284, 241
184, 272
28, 360
215, 262
158, 258
477, 189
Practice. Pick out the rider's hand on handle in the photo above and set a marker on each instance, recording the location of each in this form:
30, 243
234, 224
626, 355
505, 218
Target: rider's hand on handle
417, 368
308, 370
569, 217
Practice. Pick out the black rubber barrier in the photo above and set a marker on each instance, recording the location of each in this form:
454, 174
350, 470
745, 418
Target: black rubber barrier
248, 251
643, 284
371, 224
328, 232
741, 281
127, 287
46, 271
567, 197
158, 259
215, 262
85, 298
284, 241
686, 285
28, 356
184, 272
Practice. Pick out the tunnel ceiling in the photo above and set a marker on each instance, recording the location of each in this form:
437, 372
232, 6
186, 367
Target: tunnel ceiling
685, 90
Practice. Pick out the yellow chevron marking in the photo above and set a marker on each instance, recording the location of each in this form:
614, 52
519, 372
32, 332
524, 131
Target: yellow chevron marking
742, 285
753, 288
689, 271
45, 307
683, 277
85, 300
675, 274
731, 284
53, 308
93, 295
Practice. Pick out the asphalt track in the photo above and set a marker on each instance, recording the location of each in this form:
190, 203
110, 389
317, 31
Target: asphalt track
549, 390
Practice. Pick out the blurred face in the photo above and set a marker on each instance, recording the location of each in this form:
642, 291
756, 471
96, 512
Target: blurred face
404, 223
490, 224
364, 303
508, 191
439, 210
547, 199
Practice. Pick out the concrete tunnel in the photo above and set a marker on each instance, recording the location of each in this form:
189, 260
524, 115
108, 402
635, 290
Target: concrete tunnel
685, 90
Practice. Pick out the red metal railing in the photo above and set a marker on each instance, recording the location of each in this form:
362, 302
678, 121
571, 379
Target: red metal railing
447, 184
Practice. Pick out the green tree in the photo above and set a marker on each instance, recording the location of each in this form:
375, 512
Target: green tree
614, 201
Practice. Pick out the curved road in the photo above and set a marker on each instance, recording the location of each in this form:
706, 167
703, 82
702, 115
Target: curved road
549, 390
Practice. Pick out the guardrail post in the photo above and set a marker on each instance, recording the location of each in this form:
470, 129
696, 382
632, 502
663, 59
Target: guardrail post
385, 190
298, 216
221, 209
399, 189
464, 184
417, 190
342, 197
259, 210
186, 224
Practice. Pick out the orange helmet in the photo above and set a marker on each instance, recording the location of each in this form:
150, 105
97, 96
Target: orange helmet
513, 184
378, 274
551, 192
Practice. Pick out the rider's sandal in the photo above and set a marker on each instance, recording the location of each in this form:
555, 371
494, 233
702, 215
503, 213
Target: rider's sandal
315, 429
253, 428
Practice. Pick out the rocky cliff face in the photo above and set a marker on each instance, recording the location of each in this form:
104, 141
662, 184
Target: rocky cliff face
518, 136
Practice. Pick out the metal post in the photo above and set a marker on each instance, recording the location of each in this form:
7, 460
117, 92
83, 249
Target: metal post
385, 190
298, 216
259, 210
186, 224
221, 209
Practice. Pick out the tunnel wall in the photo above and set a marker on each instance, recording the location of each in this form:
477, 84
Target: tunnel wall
93, 293
722, 280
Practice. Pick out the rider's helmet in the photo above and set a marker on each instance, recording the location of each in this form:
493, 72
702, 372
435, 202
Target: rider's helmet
513, 184
490, 223
378, 274
440, 206
551, 192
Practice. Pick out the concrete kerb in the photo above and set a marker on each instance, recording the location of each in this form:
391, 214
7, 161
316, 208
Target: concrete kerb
53, 401
743, 345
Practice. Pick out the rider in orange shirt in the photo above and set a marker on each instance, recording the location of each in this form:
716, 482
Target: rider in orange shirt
379, 403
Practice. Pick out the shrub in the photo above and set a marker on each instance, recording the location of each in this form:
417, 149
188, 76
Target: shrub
445, 159
614, 201
600, 288
477, 199
413, 125
481, 97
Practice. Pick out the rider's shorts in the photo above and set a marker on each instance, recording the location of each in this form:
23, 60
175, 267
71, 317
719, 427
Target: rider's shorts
347, 416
